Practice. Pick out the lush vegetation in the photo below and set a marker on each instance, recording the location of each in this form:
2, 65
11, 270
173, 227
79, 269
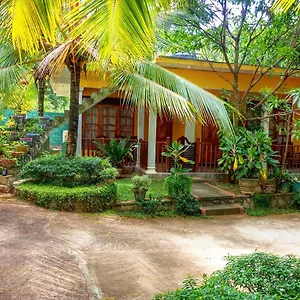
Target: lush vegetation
125, 193
80, 198
252, 277
64, 171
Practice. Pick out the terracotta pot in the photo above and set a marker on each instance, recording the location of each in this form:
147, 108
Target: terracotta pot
139, 194
17, 154
248, 186
7, 162
109, 181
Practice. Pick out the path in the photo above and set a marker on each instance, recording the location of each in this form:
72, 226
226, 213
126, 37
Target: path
207, 190
58, 255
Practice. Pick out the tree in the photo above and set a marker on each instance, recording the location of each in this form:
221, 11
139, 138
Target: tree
242, 32
116, 36
285, 5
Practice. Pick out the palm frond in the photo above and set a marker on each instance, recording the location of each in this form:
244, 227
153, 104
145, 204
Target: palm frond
119, 29
54, 61
155, 88
31, 22
285, 5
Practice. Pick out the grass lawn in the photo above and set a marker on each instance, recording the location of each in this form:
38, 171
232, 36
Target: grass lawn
124, 189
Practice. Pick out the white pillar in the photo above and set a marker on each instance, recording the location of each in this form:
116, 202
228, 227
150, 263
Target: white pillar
140, 132
189, 132
79, 132
151, 169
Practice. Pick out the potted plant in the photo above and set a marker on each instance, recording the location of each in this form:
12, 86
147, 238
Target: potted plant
7, 161
257, 154
109, 175
117, 151
141, 185
296, 185
284, 180
45, 120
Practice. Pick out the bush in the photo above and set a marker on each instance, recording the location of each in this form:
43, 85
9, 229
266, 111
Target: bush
141, 182
187, 204
81, 198
178, 185
261, 200
296, 199
252, 276
64, 171
150, 207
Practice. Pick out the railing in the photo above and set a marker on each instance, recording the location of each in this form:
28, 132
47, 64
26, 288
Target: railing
89, 148
292, 162
162, 162
207, 155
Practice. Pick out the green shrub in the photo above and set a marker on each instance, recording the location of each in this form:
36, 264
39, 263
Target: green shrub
252, 276
178, 184
187, 204
150, 207
80, 198
141, 182
296, 199
64, 171
261, 200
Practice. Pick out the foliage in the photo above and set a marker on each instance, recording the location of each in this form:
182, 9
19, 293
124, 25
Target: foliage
109, 173
296, 199
64, 171
262, 212
32, 126
282, 177
247, 153
124, 189
252, 276
141, 182
116, 151
81, 198
175, 151
178, 185
187, 204
150, 206
261, 200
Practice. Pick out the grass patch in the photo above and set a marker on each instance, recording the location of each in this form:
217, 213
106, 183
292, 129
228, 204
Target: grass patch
125, 193
140, 215
262, 212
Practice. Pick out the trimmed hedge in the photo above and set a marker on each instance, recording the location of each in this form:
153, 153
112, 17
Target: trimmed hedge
80, 198
179, 185
65, 171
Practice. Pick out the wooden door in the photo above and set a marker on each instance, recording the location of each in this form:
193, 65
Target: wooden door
163, 129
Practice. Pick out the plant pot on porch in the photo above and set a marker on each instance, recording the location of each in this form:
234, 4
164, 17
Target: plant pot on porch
139, 194
296, 187
7, 163
21, 148
13, 135
248, 186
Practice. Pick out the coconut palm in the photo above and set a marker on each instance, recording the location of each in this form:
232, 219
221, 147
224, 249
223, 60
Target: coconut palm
286, 4
118, 38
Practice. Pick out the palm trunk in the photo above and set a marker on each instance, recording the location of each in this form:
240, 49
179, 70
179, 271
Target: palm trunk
74, 108
41, 99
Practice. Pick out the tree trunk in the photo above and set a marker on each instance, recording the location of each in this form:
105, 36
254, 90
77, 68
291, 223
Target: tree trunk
286, 144
41, 99
74, 108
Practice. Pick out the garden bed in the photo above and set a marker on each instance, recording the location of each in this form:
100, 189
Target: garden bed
80, 198
125, 193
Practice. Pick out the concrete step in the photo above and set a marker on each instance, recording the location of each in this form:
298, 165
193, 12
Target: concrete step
222, 209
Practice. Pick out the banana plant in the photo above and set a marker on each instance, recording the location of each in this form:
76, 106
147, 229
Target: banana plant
176, 151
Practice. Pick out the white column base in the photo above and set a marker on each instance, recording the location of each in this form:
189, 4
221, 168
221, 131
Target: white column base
150, 171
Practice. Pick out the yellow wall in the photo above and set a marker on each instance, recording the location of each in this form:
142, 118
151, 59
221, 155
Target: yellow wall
178, 129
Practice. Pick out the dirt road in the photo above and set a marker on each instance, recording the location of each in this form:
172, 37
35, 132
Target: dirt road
58, 255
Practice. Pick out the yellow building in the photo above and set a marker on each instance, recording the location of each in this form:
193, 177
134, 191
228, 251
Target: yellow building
109, 119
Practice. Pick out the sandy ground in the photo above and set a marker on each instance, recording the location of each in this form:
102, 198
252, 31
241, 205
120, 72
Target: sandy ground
59, 255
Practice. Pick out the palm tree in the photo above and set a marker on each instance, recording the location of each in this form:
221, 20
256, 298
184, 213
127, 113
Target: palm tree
286, 4
118, 37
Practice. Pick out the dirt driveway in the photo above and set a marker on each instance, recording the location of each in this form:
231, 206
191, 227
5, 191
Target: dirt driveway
57, 255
